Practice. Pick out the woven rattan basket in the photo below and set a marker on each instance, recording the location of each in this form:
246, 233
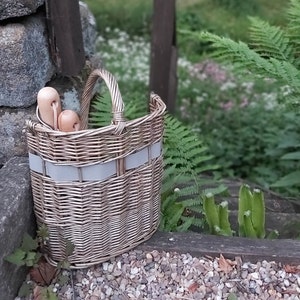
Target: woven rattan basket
98, 188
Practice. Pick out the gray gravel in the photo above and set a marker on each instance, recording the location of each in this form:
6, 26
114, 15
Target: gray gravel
164, 275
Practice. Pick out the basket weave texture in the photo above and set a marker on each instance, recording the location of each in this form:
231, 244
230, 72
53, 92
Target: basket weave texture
98, 188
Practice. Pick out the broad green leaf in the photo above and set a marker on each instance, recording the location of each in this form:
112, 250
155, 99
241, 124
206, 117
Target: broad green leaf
25, 290
292, 155
17, 257
290, 140
31, 258
29, 243
288, 180
69, 247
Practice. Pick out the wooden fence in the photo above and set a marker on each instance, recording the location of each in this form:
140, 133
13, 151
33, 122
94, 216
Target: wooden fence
65, 36
163, 78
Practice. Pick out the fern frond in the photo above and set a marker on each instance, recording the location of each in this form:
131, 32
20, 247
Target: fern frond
239, 54
293, 27
270, 41
198, 222
183, 148
100, 113
189, 190
244, 59
101, 109
193, 202
287, 73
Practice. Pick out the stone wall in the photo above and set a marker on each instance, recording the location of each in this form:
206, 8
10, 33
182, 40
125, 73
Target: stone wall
18, 8
26, 67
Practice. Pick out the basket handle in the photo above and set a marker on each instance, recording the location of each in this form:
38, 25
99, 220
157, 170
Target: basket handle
116, 98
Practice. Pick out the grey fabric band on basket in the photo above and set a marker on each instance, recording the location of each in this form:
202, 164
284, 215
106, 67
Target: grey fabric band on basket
95, 172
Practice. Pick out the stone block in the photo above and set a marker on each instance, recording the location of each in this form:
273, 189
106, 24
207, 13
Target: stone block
26, 65
18, 8
25, 61
16, 218
89, 31
12, 136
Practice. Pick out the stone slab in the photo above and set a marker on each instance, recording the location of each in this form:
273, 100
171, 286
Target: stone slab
12, 136
18, 8
16, 218
285, 251
25, 61
26, 64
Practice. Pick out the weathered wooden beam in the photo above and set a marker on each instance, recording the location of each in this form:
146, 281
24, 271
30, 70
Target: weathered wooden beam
163, 78
286, 251
65, 36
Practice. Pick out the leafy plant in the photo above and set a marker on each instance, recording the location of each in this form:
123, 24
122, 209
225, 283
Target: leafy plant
245, 7
26, 254
185, 161
42, 274
272, 53
251, 217
133, 18
287, 152
251, 214
216, 216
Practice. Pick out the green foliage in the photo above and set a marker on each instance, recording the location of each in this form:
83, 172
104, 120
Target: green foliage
30, 254
245, 7
211, 212
251, 215
273, 54
134, 18
25, 290
185, 160
27, 254
191, 20
239, 120
101, 107
222, 17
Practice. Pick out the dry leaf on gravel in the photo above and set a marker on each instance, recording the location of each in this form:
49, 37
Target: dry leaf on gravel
44, 273
226, 265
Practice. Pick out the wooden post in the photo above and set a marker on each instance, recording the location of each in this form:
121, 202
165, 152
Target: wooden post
163, 78
65, 36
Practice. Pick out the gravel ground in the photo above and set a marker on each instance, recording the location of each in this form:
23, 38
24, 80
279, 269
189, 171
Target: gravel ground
165, 275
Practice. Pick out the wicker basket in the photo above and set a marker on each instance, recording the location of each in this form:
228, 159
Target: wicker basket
98, 188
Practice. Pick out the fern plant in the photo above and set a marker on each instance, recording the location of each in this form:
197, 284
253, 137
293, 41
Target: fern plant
185, 159
272, 53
